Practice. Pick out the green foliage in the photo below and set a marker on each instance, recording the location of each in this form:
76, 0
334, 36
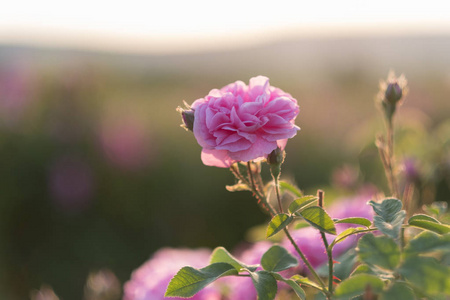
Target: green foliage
317, 217
428, 223
387, 209
277, 259
293, 284
428, 241
188, 281
284, 186
221, 255
277, 223
426, 274
346, 233
398, 291
378, 252
357, 285
300, 203
265, 284
389, 218
356, 221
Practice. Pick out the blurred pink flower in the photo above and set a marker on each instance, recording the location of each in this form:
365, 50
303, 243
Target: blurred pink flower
150, 281
16, 92
310, 241
71, 183
243, 123
125, 143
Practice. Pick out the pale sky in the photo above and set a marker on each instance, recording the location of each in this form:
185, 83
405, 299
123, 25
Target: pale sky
192, 25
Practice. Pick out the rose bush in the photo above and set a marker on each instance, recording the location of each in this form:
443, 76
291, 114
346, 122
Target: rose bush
243, 123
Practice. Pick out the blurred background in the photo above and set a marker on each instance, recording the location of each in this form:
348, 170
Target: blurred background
95, 172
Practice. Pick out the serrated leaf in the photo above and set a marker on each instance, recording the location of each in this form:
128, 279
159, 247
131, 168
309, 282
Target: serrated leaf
398, 291
277, 223
189, 281
299, 203
357, 285
387, 209
391, 228
277, 259
428, 225
380, 252
265, 284
317, 217
221, 255
421, 217
362, 269
305, 281
426, 274
294, 285
346, 233
284, 186
428, 241
357, 221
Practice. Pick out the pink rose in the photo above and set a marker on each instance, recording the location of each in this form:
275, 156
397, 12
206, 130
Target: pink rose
243, 123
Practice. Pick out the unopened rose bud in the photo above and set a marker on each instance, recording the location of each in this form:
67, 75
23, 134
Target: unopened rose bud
276, 157
393, 93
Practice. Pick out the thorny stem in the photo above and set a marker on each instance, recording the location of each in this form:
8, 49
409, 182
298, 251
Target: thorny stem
305, 260
277, 190
320, 194
261, 197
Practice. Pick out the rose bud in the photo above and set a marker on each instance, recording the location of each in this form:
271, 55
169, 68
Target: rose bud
393, 93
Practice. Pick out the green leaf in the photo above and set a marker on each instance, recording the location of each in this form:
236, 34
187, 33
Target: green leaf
428, 241
301, 202
221, 255
305, 281
398, 291
346, 233
318, 218
426, 274
265, 285
363, 269
284, 186
277, 223
421, 217
381, 252
387, 209
391, 228
428, 225
277, 259
300, 225
357, 221
294, 285
357, 285
189, 281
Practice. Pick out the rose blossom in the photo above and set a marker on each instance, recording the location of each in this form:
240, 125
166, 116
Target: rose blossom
243, 123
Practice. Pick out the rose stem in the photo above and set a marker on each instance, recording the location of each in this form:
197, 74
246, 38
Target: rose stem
320, 194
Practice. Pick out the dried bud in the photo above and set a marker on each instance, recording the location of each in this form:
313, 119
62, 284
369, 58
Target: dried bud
187, 115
